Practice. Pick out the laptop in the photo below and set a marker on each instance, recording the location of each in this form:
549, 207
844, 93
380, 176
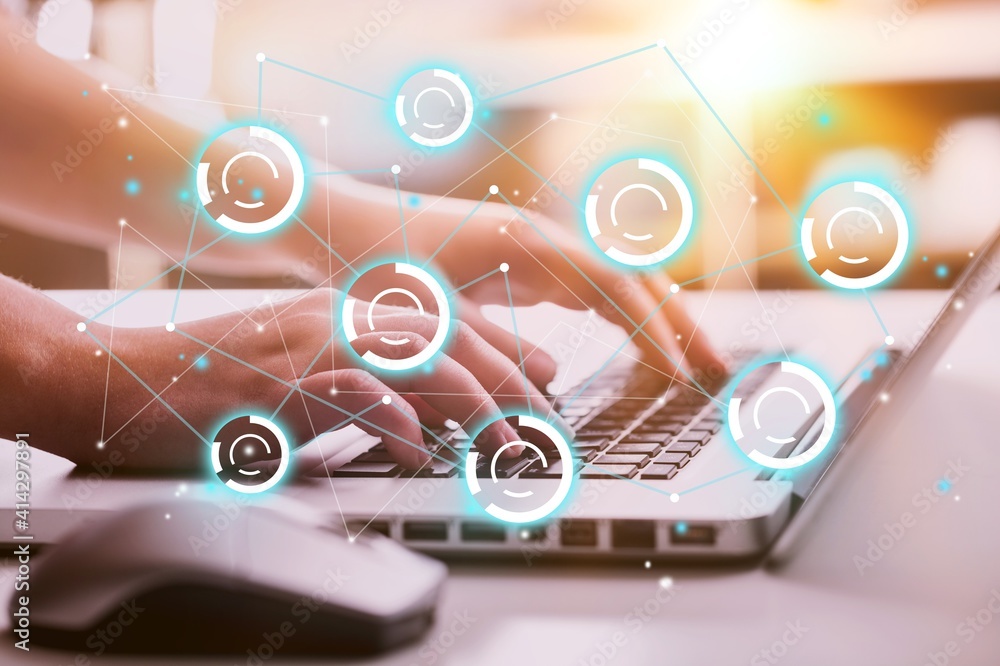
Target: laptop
654, 471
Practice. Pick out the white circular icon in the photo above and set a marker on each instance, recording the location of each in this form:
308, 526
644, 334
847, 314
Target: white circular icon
639, 211
852, 248
412, 286
250, 454
778, 429
514, 500
434, 107
250, 179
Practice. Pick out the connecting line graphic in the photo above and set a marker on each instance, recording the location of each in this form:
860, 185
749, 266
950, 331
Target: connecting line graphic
728, 131
327, 246
457, 228
187, 254
527, 166
111, 340
402, 218
601, 470
260, 87
570, 73
349, 172
324, 78
713, 481
146, 386
154, 280
305, 373
637, 328
888, 338
477, 280
739, 264
517, 338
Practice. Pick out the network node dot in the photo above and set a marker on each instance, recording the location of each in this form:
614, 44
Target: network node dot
395, 169
504, 267
494, 189
324, 120
81, 327
648, 564
553, 116
100, 445
666, 582
753, 199
889, 340
661, 43
674, 497
261, 57
674, 288
333, 391
386, 400
104, 86
170, 326
122, 222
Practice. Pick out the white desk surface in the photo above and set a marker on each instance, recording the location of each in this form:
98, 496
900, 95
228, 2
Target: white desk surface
913, 601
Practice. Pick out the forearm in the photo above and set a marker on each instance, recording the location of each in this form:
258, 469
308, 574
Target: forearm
75, 392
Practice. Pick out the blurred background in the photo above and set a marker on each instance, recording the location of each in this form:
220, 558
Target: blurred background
903, 92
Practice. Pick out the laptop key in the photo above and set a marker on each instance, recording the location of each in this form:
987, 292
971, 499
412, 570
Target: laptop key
608, 471
660, 472
644, 448
689, 448
646, 437
366, 469
673, 458
622, 459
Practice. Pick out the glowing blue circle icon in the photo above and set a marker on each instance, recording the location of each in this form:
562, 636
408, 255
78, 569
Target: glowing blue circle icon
516, 500
805, 390
434, 107
395, 351
250, 180
861, 238
250, 454
653, 225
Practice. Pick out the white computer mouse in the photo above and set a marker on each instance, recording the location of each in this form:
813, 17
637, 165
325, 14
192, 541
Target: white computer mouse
194, 576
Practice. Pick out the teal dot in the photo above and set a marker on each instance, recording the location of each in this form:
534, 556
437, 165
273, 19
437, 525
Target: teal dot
925, 257
201, 363
944, 485
866, 375
414, 200
239, 181
184, 195
257, 193
132, 187
85, 93
181, 357
486, 113
824, 119
129, 158
941, 271
681, 528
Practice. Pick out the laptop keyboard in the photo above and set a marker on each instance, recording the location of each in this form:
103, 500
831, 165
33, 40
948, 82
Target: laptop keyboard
637, 434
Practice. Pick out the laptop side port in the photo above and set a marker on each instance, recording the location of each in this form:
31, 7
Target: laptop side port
483, 532
685, 534
380, 526
425, 530
633, 534
581, 533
